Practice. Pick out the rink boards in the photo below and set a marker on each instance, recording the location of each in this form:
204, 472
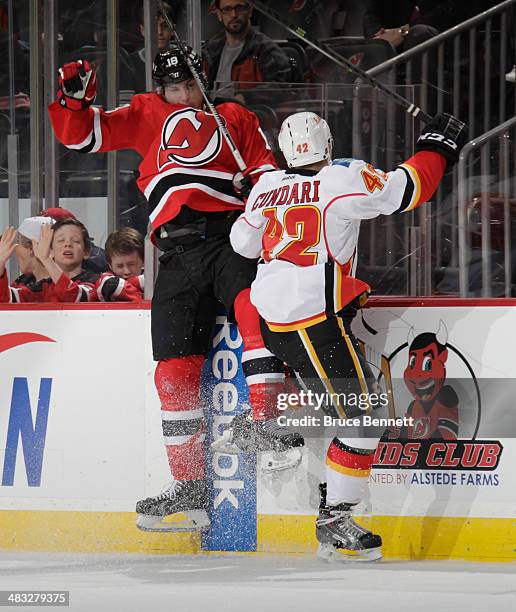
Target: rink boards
80, 438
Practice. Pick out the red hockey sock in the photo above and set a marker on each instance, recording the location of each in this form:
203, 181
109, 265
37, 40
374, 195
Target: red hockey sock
264, 373
177, 383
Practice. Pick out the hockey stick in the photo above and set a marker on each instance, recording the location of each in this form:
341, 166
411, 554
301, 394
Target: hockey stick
220, 124
326, 50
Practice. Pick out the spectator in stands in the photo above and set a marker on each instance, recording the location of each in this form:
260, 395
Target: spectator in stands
31, 269
124, 253
136, 59
50, 258
96, 262
405, 24
241, 53
321, 19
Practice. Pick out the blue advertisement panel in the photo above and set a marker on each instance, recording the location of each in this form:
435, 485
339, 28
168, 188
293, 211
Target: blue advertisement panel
21, 428
232, 477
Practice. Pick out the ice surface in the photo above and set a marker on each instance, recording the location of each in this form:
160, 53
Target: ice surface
260, 583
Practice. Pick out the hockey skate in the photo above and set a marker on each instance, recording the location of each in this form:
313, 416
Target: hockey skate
279, 448
340, 538
184, 501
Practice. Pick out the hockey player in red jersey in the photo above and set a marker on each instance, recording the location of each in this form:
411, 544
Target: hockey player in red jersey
304, 223
187, 177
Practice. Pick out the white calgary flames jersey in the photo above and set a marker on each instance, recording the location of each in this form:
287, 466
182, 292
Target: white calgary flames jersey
305, 224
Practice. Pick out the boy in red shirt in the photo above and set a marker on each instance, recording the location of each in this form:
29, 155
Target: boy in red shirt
50, 258
124, 282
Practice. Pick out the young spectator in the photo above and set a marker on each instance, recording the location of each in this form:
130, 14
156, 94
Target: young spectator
242, 53
50, 258
30, 267
136, 59
124, 253
96, 262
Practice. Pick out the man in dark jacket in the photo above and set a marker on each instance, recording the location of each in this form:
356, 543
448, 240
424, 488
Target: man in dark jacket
242, 53
405, 23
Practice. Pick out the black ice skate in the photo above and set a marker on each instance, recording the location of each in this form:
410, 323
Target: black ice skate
280, 447
187, 497
340, 538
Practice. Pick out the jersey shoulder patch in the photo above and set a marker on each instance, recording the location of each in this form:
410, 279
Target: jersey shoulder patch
345, 161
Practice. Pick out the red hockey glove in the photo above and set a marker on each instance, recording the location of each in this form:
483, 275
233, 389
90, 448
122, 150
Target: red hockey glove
244, 181
77, 85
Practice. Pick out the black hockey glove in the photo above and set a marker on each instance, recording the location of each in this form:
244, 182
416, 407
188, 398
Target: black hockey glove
445, 134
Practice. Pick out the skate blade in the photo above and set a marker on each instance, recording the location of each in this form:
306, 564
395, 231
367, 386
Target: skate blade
224, 444
193, 520
271, 461
329, 553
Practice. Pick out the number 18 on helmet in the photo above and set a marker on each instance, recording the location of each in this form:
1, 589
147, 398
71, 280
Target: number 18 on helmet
170, 66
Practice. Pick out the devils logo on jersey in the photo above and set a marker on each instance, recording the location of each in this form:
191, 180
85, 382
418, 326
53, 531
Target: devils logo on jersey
190, 138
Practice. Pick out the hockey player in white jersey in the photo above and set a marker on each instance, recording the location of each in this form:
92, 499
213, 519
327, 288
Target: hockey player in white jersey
304, 223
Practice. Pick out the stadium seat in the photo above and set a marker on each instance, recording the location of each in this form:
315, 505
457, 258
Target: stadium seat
297, 57
363, 53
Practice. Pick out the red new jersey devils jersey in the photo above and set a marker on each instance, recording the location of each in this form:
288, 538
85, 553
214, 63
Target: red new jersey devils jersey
112, 288
78, 289
186, 161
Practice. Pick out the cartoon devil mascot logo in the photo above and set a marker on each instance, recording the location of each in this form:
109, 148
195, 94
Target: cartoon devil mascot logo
435, 408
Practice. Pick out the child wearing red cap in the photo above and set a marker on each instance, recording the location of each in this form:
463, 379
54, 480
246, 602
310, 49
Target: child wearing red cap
57, 213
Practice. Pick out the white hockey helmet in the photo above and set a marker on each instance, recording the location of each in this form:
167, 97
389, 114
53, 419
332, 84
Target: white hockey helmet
304, 139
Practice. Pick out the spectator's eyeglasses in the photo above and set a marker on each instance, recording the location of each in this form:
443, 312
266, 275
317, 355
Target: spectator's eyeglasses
239, 9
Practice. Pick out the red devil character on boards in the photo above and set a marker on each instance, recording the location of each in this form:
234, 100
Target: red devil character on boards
435, 408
